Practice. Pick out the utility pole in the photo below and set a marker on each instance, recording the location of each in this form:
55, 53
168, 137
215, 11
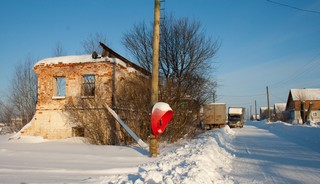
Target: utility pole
155, 59
214, 96
269, 114
153, 146
255, 110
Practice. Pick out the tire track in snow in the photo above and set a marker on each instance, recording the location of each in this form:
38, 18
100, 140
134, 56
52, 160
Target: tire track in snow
263, 157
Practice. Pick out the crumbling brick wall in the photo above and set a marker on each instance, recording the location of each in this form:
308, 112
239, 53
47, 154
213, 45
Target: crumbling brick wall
50, 120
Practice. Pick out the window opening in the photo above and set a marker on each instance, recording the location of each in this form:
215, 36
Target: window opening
60, 86
88, 85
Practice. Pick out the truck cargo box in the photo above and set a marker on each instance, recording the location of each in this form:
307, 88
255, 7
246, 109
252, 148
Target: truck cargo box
213, 116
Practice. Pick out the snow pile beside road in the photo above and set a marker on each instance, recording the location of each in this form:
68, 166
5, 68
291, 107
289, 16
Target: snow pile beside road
201, 160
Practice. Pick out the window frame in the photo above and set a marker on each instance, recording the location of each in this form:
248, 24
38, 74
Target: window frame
90, 83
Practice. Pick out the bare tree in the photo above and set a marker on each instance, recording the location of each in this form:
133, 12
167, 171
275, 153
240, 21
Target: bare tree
93, 120
23, 95
58, 50
138, 42
305, 106
186, 67
7, 115
91, 44
131, 104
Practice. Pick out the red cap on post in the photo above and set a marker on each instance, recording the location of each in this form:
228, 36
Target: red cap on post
160, 117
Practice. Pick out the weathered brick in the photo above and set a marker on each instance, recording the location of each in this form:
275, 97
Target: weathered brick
50, 120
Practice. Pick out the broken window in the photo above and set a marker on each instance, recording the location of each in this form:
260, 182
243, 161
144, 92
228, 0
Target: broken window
60, 86
88, 85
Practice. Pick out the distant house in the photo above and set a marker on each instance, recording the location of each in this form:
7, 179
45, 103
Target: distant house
1, 126
309, 96
279, 111
264, 112
61, 78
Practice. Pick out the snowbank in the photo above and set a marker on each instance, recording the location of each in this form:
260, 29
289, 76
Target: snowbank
201, 160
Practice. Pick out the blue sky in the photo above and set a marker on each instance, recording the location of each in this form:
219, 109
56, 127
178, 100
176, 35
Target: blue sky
262, 43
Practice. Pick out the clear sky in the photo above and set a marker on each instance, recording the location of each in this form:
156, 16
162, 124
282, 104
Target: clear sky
262, 43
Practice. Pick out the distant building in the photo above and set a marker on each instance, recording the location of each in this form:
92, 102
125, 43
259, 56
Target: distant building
1, 126
309, 96
279, 111
264, 112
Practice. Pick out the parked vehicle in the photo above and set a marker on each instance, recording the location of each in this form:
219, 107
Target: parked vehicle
236, 116
213, 116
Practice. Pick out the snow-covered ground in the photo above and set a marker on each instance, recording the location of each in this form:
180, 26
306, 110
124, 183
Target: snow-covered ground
276, 153
258, 153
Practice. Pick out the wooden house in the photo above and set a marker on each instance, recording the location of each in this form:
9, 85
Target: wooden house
264, 114
279, 111
308, 96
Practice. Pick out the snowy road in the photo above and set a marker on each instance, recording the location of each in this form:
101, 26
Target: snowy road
266, 155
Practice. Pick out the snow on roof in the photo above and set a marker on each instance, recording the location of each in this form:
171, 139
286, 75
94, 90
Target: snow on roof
305, 94
81, 59
279, 107
69, 59
265, 108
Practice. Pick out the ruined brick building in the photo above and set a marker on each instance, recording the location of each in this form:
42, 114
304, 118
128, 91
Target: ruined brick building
62, 78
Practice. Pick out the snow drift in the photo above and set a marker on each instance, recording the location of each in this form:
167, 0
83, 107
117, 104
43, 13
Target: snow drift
201, 160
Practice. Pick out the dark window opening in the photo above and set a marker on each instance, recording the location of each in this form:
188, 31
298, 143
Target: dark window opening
88, 86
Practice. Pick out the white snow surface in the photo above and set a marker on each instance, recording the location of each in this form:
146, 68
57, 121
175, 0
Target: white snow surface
70, 59
258, 153
80, 59
306, 94
162, 106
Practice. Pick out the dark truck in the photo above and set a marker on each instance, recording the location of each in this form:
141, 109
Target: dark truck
236, 117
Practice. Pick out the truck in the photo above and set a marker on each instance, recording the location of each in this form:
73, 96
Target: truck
236, 117
213, 116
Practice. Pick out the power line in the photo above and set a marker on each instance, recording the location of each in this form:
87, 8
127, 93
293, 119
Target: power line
307, 67
241, 96
293, 7
277, 97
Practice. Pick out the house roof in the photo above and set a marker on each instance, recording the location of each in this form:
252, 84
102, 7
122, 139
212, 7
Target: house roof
70, 59
305, 94
265, 108
107, 51
113, 57
279, 107
85, 59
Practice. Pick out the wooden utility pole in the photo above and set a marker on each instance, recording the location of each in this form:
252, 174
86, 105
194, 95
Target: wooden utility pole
255, 110
155, 59
269, 114
153, 146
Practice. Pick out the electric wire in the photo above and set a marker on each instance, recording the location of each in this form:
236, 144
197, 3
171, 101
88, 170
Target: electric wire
279, 98
293, 7
242, 96
313, 64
